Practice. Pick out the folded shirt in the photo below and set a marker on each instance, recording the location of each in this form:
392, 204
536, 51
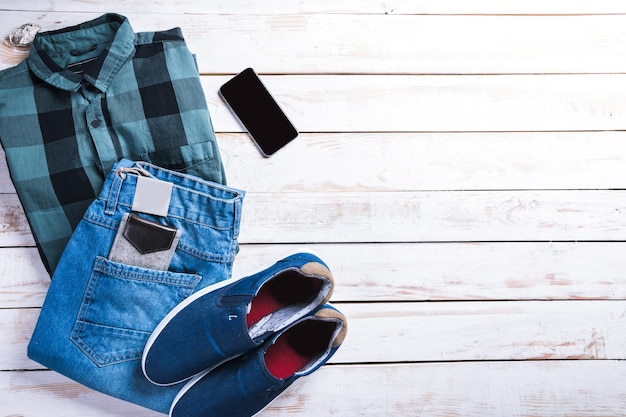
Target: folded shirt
87, 96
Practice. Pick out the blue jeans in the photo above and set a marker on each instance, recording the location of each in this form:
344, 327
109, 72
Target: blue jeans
108, 292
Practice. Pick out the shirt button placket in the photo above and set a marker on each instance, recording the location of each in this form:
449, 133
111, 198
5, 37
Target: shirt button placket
100, 135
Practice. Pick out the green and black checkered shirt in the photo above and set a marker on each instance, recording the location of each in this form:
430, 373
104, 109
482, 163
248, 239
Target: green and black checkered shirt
87, 96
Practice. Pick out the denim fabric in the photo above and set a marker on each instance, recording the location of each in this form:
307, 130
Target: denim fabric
98, 313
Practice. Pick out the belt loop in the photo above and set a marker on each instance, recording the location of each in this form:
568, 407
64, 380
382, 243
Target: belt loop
238, 212
114, 192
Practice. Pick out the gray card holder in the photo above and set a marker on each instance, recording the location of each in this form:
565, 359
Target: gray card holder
143, 243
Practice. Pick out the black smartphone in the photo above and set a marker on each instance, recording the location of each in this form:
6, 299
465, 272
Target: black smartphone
258, 112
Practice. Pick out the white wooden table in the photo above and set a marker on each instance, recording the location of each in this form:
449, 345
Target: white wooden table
461, 167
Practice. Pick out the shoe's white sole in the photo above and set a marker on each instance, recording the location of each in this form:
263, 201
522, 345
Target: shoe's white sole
190, 385
166, 320
192, 381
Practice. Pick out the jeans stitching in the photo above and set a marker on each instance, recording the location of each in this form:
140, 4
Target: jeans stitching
81, 318
230, 257
128, 352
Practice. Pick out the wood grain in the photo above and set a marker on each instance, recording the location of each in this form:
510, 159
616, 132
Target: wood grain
406, 217
470, 389
14, 229
333, 43
463, 103
343, 162
560, 7
24, 280
433, 216
406, 271
479, 271
422, 162
457, 331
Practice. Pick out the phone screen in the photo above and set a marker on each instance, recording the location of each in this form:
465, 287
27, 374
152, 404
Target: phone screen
257, 110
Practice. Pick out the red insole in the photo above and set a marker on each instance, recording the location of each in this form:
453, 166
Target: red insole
282, 360
264, 303
279, 292
297, 347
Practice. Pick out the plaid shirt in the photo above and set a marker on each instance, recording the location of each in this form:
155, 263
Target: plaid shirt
87, 96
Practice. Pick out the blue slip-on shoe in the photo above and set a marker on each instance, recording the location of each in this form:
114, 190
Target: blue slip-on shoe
234, 316
245, 385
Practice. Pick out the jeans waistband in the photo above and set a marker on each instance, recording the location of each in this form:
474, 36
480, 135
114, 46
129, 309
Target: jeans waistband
192, 199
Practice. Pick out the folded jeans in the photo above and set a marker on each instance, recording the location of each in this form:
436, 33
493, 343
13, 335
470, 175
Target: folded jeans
99, 312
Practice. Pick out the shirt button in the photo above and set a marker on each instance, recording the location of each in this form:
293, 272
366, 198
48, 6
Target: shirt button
96, 123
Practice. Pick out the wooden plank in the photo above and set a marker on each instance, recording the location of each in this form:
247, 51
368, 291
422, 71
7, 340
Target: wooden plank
406, 217
45, 393
433, 216
556, 389
423, 161
16, 327
335, 103
429, 161
406, 271
561, 7
412, 44
23, 279
472, 389
466, 271
6, 185
14, 228
460, 331
379, 103
457, 331
351, 43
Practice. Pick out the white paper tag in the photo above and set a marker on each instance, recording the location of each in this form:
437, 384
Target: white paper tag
152, 196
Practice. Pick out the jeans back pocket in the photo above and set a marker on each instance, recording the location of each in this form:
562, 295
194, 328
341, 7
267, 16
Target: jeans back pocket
122, 305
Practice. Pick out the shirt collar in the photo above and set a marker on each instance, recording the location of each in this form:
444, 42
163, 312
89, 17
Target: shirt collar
50, 49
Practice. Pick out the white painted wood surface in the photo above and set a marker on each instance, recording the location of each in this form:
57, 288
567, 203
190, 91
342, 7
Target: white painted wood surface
462, 169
